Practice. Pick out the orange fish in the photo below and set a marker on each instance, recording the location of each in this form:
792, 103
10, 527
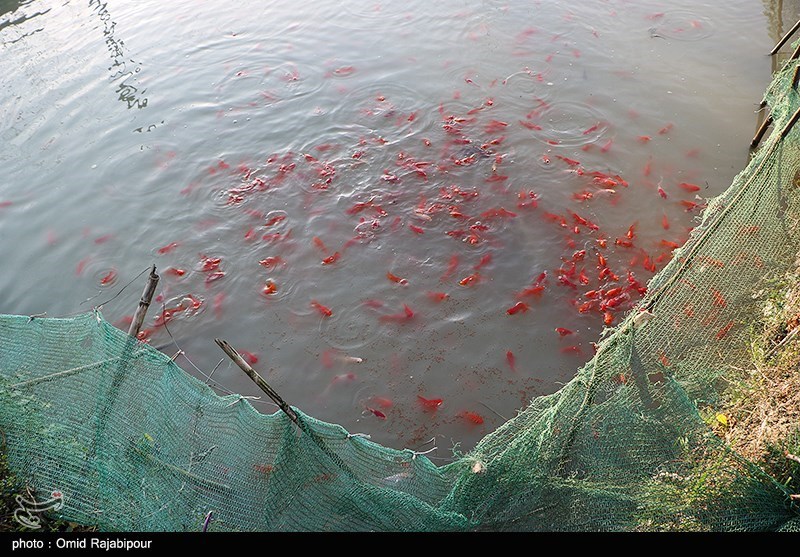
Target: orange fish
168, 248
331, 259
518, 307
472, 417
466, 281
689, 187
272, 261
511, 359
249, 357
324, 311
214, 276
416, 229
383, 402
109, 278
437, 296
429, 404
563, 332
320, 244
395, 278
377, 413
175, 272
664, 222
269, 288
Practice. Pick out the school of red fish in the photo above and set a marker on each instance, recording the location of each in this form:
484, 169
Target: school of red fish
603, 270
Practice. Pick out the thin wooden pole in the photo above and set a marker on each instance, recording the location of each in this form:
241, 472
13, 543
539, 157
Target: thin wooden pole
785, 38
144, 303
792, 121
257, 379
761, 131
795, 76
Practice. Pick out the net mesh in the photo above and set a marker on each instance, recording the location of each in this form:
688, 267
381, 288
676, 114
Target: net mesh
135, 443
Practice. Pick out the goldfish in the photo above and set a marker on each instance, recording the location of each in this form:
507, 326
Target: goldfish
383, 402
689, 187
511, 359
323, 310
331, 258
249, 357
563, 332
214, 276
395, 278
416, 229
269, 288
272, 261
429, 404
472, 417
175, 272
437, 296
376, 413
168, 248
109, 278
518, 307
466, 281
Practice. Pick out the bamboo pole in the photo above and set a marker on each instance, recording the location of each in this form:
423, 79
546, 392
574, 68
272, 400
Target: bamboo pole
257, 379
785, 38
795, 76
760, 132
144, 303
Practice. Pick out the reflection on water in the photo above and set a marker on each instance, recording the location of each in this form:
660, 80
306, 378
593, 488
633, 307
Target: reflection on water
11, 7
123, 68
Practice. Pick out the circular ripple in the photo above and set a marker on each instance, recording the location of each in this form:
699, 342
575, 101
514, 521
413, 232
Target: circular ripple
349, 329
682, 26
572, 124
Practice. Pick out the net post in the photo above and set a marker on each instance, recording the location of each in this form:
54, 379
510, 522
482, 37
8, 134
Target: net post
257, 379
761, 131
144, 303
785, 38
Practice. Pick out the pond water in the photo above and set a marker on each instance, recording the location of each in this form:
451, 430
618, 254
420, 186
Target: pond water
413, 216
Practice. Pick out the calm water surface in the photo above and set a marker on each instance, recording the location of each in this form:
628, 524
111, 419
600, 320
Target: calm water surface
416, 169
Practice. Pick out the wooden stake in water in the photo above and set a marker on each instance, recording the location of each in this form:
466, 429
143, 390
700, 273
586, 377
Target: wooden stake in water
761, 131
257, 379
144, 303
785, 38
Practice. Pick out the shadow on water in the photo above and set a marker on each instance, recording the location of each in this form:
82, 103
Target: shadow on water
12, 7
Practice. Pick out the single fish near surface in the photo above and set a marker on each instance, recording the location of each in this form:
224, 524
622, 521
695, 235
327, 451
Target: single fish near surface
429, 404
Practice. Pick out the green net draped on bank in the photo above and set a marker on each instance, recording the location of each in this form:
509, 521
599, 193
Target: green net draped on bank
135, 443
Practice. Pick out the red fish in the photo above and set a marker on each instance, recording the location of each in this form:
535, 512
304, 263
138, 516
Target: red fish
109, 278
274, 220
323, 310
168, 248
320, 244
724, 330
103, 239
416, 229
661, 192
670, 245
518, 307
571, 350
383, 402
563, 332
666, 129
664, 222
331, 259
643, 138
472, 417
571, 162
606, 146
272, 261
210, 263
269, 288
590, 129
429, 404
466, 281
485, 260
437, 296
249, 357
377, 413
214, 276
218, 301
451, 268
395, 278
689, 187
175, 272
511, 359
